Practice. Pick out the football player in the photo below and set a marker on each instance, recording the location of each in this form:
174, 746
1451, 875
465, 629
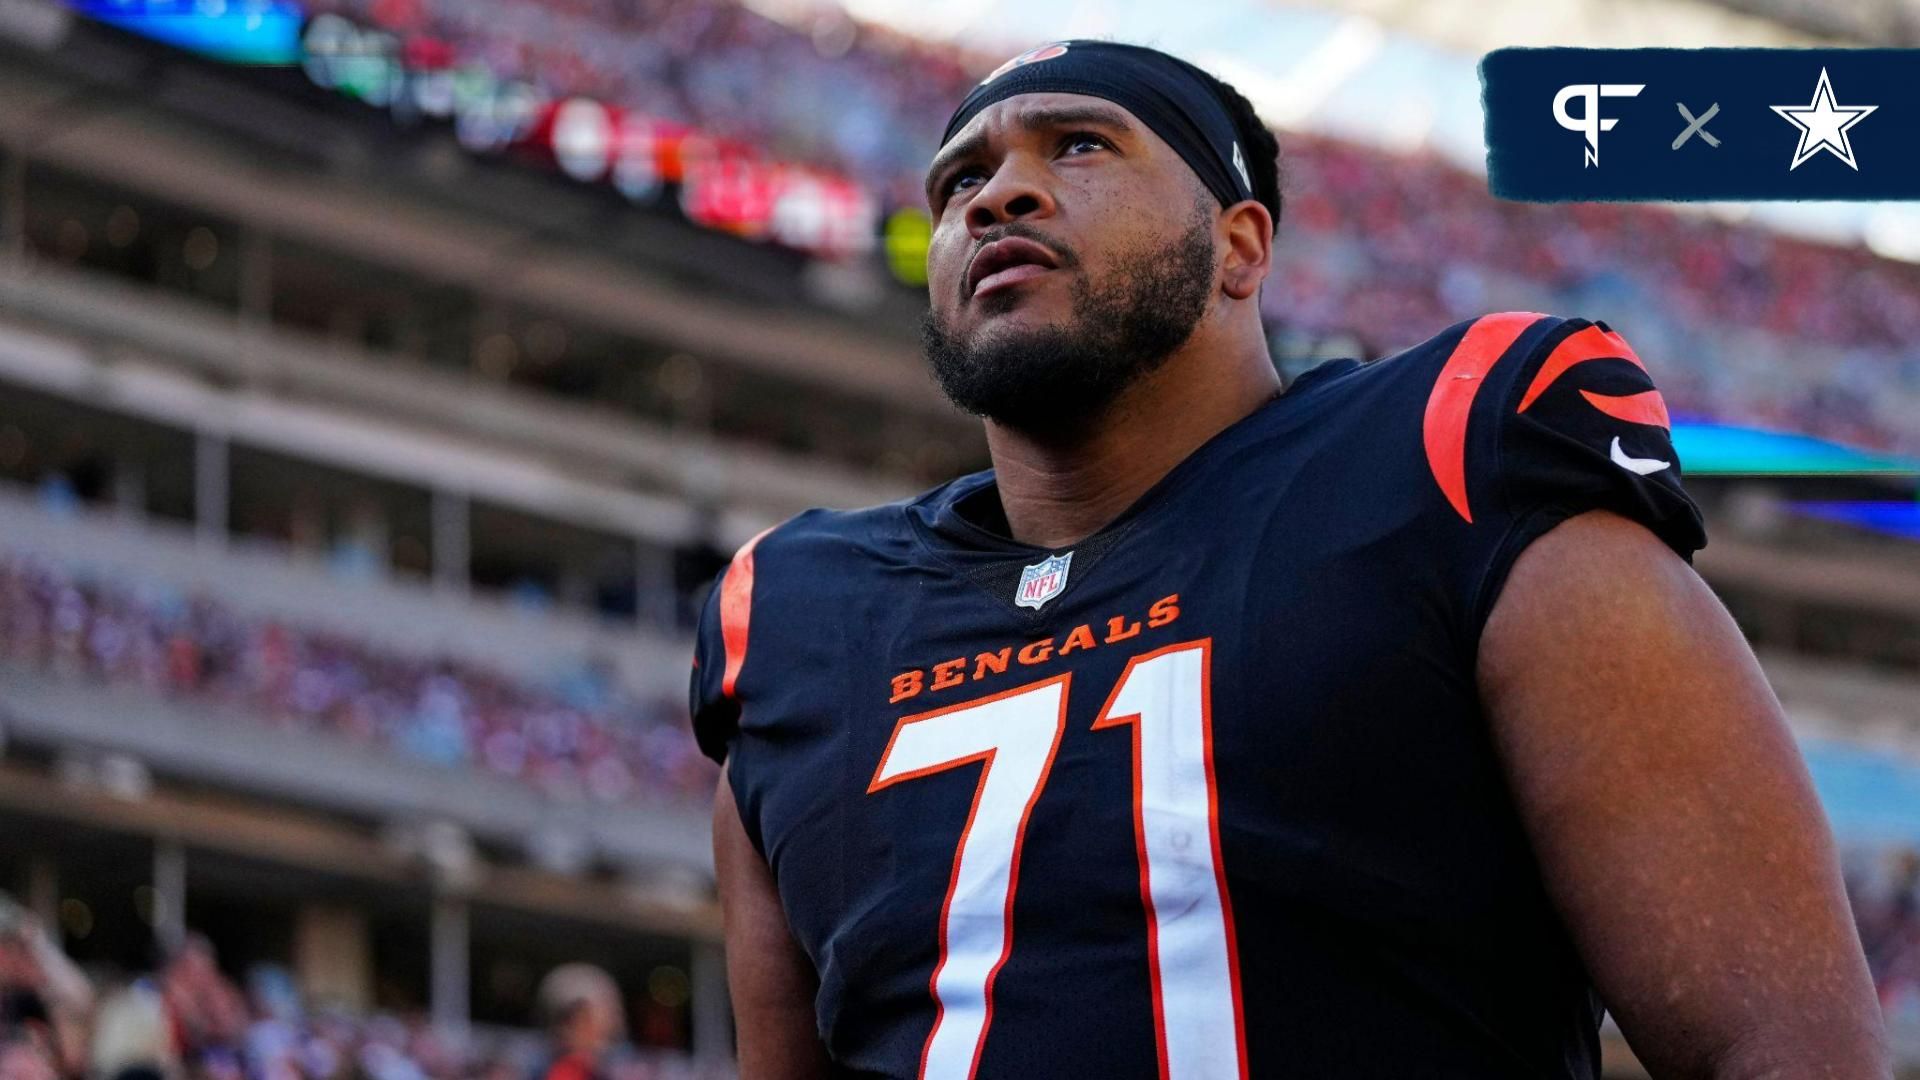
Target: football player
1374, 728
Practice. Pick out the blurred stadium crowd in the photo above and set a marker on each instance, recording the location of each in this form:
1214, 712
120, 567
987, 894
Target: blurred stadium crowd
1747, 325
1379, 245
711, 64
583, 737
1884, 888
187, 1019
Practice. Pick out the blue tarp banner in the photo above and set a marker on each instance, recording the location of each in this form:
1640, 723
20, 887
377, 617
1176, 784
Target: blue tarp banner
1872, 797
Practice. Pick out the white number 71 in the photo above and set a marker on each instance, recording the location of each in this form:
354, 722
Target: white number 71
1163, 699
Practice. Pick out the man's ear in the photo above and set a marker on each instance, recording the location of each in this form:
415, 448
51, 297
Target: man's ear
1249, 236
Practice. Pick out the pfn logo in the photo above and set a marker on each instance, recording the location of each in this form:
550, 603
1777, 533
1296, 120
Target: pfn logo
1590, 123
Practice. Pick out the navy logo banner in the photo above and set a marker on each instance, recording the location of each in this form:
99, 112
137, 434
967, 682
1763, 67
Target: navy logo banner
1702, 123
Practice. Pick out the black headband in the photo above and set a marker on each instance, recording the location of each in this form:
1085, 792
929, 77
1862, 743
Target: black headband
1174, 98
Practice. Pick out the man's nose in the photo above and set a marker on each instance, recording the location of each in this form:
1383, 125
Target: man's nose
1014, 192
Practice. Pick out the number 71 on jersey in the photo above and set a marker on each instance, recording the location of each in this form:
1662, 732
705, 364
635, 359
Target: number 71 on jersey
1163, 701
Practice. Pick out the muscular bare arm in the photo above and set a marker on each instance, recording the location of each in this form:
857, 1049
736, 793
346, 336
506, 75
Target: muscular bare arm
771, 981
1673, 818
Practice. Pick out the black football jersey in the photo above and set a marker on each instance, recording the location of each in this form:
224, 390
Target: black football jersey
1210, 793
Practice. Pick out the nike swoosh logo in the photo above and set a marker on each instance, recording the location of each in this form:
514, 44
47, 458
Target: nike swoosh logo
1640, 465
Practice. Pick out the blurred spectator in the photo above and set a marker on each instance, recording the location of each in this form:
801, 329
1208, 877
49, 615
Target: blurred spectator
581, 1008
44, 998
206, 1014
131, 1037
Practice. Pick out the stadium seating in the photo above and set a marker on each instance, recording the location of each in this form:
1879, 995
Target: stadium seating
580, 736
1378, 243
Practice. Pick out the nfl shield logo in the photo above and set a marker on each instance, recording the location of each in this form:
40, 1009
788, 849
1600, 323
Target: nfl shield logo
1042, 581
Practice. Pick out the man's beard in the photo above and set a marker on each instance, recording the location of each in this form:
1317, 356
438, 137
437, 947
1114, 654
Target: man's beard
1058, 378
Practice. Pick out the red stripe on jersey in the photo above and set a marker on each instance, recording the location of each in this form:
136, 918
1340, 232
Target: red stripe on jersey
736, 611
1592, 343
1445, 427
1645, 407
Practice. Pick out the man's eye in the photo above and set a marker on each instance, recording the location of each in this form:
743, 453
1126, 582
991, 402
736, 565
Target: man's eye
1074, 143
955, 181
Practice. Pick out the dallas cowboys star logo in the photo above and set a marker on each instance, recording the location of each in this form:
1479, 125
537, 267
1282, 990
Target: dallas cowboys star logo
1823, 125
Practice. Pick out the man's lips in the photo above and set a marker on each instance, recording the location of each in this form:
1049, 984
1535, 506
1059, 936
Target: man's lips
1012, 275
1007, 261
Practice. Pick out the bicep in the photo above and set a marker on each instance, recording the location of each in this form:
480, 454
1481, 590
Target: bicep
1675, 824
771, 982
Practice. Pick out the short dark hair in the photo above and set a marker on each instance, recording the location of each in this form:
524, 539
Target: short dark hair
1263, 149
